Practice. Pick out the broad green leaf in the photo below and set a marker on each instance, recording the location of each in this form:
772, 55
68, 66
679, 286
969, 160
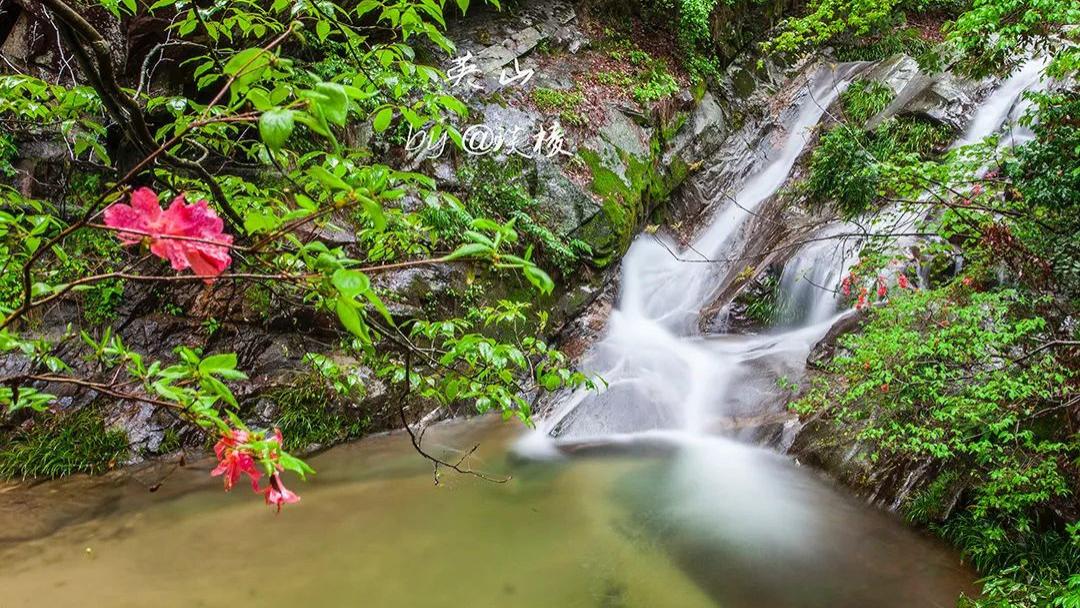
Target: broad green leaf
329, 179
215, 363
469, 250
350, 318
350, 283
275, 126
382, 119
335, 103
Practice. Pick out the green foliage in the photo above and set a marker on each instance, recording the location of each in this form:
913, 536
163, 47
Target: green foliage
8, 152
271, 96
308, 413
320, 407
78, 442
100, 302
692, 22
655, 85
1046, 174
565, 103
843, 172
642, 76
955, 379
31, 103
762, 300
849, 167
827, 19
890, 42
497, 190
864, 99
556, 99
993, 33
1037, 570
484, 370
990, 35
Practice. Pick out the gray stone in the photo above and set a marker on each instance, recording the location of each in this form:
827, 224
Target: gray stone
940, 98
560, 200
494, 57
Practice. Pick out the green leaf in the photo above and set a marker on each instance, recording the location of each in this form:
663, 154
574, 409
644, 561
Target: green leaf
350, 318
374, 211
335, 103
539, 279
275, 126
245, 61
329, 179
218, 388
322, 30
382, 119
469, 250
366, 6
215, 363
454, 104
350, 283
379, 306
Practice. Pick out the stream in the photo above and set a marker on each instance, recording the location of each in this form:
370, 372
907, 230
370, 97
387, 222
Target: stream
649, 493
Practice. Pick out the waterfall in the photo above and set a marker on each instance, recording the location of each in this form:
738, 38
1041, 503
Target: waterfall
1005, 106
809, 282
661, 374
810, 279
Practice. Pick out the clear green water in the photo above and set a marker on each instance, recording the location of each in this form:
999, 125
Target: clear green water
716, 526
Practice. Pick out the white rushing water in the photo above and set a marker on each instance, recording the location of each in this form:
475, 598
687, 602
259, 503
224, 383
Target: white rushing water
809, 284
1005, 106
662, 373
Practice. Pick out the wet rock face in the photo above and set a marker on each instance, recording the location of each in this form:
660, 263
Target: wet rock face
941, 98
622, 161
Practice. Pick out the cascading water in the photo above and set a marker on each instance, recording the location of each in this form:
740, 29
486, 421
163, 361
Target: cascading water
661, 373
1005, 106
809, 281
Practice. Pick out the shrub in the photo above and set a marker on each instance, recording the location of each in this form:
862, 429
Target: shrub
865, 99
939, 378
843, 172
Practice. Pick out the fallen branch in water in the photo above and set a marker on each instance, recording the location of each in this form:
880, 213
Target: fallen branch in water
417, 439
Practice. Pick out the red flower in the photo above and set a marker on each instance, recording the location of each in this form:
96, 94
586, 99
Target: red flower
233, 460
845, 286
861, 303
967, 281
189, 236
977, 189
902, 281
277, 494
881, 288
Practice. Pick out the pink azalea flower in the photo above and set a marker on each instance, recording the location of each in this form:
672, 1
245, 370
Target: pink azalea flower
977, 189
233, 461
861, 303
902, 281
198, 227
845, 286
277, 494
881, 288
